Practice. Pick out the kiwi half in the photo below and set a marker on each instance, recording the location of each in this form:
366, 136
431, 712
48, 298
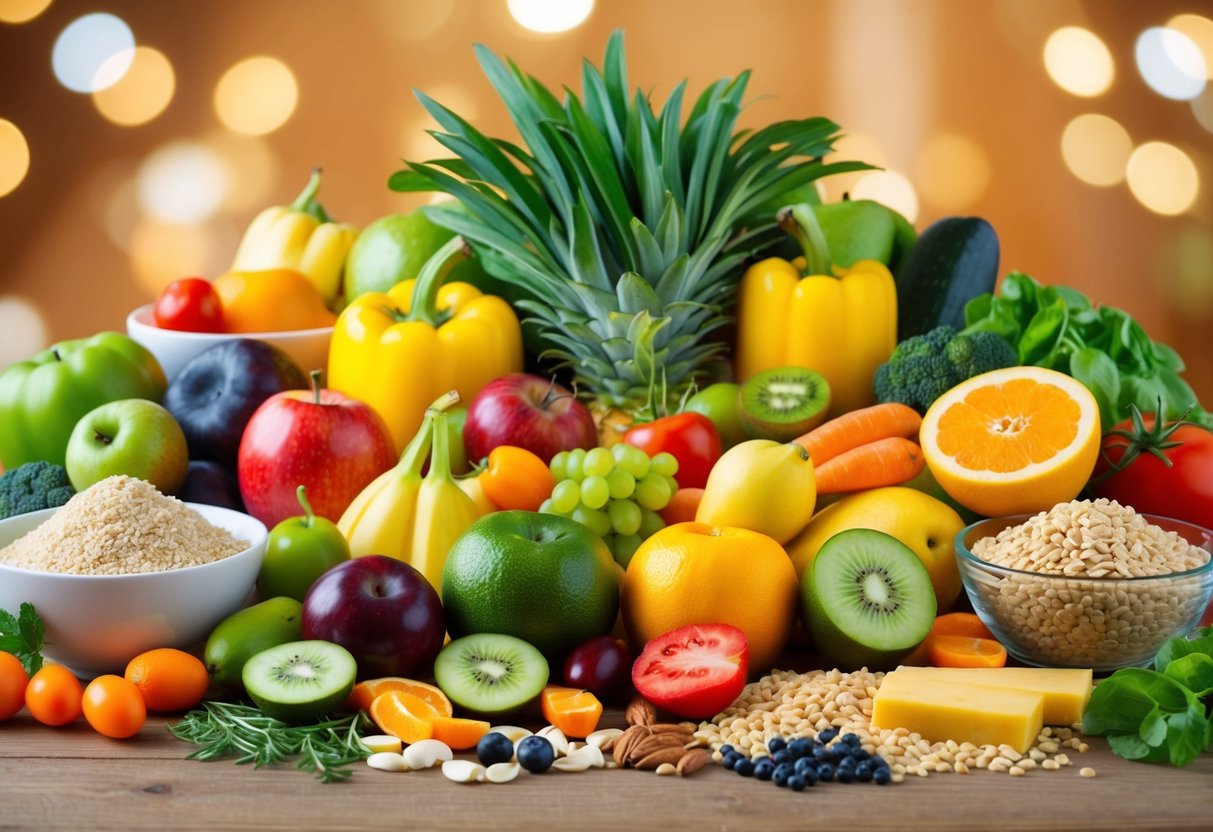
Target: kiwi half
490, 673
782, 403
867, 600
300, 681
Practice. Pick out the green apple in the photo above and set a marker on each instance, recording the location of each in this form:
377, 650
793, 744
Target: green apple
720, 403
394, 248
299, 550
926, 525
135, 437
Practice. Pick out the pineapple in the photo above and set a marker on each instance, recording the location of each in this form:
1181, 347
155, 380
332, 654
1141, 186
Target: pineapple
622, 230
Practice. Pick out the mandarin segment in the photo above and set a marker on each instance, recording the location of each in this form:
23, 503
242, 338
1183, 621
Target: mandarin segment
404, 715
365, 692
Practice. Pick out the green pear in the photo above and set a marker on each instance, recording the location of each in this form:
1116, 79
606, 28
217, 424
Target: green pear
247, 632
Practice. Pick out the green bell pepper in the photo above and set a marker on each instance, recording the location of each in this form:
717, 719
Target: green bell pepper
42, 399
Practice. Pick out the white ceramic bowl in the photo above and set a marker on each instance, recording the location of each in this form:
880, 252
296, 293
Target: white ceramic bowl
309, 347
97, 623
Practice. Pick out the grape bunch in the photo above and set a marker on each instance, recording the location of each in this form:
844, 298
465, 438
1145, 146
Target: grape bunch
616, 493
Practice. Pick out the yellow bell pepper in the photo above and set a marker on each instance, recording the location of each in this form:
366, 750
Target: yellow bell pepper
299, 236
397, 351
409, 518
840, 322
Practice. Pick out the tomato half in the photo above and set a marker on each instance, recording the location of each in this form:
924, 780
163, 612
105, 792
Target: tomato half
1183, 490
189, 305
694, 671
691, 438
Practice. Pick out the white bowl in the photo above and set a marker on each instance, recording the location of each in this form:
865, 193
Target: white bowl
308, 347
97, 623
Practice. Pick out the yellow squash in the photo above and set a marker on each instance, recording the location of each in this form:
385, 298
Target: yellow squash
762, 486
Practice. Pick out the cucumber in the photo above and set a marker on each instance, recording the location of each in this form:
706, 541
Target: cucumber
954, 261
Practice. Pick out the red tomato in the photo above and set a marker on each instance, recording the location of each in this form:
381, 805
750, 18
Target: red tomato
189, 305
1184, 490
691, 438
694, 671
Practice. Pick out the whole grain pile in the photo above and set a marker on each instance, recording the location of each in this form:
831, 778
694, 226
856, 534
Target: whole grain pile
121, 526
1093, 614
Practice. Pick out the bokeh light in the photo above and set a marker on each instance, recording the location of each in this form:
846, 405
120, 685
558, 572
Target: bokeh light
93, 52
1171, 64
953, 172
423, 21
1202, 108
249, 161
1200, 30
852, 147
182, 182
21, 11
162, 252
1096, 149
1163, 178
24, 328
1188, 265
144, 91
1078, 61
14, 157
256, 96
889, 188
550, 16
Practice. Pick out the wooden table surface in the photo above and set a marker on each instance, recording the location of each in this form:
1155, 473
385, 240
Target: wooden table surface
73, 778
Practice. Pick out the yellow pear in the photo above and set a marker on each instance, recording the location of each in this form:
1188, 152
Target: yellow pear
926, 525
763, 486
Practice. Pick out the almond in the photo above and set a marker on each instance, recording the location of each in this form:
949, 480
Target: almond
669, 755
692, 761
624, 744
655, 742
669, 728
640, 712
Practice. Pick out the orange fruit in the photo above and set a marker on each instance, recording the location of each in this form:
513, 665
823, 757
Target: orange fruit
407, 717
274, 300
574, 711
364, 693
694, 573
964, 651
458, 733
1012, 441
169, 679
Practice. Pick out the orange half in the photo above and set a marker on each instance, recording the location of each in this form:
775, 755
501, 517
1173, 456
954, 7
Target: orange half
364, 693
404, 716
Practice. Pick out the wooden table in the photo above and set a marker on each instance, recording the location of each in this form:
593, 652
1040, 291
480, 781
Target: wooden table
73, 778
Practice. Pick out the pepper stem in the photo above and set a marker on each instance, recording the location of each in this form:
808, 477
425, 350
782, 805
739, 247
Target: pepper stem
309, 516
317, 380
306, 202
423, 306
801, 224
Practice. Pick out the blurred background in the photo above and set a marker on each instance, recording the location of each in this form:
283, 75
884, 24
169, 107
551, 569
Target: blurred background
138, 138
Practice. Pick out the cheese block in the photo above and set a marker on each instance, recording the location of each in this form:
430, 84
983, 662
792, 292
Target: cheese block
940, 711
1066, 691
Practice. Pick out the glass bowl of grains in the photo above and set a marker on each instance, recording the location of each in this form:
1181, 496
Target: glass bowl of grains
1090, 584
121, 568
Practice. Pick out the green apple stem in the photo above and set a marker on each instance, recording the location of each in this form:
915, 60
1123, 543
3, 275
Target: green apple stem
317, 378
102, 438
308, 515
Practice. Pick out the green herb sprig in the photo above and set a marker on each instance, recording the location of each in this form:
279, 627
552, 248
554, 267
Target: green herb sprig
223, 729
22, 636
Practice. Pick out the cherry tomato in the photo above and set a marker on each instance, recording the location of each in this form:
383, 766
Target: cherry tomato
114, 707
189, 305
53, 695
13, 681
1183, 490
691, 438
516, 479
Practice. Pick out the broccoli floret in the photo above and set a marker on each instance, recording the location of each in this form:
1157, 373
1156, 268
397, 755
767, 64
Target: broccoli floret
33, 487
924, 367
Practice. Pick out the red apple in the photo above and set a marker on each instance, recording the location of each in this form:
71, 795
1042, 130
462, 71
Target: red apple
380, 609
333, 444
529, 412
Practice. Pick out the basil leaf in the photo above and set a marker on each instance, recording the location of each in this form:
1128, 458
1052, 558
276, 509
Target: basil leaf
1153, 729
1187, 734
1098, 373
1040, 338
1167, 358
1194, 671
1129, 746
1123, 701
1198, 641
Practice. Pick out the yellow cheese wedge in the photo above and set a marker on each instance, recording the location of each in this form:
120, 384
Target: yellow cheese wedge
943, 711
1066, 691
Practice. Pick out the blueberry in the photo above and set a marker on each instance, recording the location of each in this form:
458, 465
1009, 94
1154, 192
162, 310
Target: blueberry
827, 735
536, 754
845, 775
809, 775
763, 769
726, 750
801, 747
859, 754
782, 757
863, 771
494, 747
782, 773
729, 760
744, 767
825, 755
851, 740
825, 772
848, 763
797, 783
881, 776
776, 744
805, 764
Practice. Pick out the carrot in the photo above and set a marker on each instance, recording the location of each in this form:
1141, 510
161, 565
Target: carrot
964, 651
682, 506
860, 427
884, 462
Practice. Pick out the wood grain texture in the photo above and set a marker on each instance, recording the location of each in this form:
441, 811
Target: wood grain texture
74, 778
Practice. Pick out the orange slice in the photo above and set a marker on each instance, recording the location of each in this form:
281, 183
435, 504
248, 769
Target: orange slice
364, 693
965, 651
575, 712
459, 733
403, 715
1013, 441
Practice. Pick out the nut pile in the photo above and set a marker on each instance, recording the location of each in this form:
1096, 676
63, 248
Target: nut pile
1089, 615
789, 704
663, 747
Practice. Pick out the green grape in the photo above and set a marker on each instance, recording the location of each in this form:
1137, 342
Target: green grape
653, 492
595, 492
623, 546
559, 466
573, 465
650, 523
625, 516
593, 519
598, 463
565, 496
546, 507
665, 464
635, 461
622, 484
673, 484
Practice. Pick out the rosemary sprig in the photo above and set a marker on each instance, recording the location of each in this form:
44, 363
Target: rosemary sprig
223, 729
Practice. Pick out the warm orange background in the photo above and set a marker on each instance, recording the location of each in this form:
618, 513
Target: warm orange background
899, 73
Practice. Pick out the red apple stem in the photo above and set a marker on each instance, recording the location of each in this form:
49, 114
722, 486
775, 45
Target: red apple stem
308, 514
551, 396
317, 378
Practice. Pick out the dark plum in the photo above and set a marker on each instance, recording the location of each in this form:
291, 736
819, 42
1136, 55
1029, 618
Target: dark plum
602, 665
